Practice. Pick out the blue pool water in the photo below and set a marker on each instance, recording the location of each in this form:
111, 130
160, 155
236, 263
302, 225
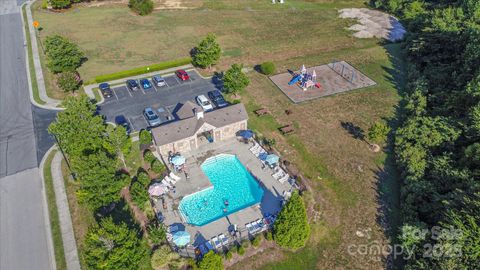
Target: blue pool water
231, 182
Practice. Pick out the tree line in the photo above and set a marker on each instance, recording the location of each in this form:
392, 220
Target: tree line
437, 144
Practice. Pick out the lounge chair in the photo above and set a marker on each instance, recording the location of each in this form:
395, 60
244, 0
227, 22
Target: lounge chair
174, 177
284, 178
280, 173
254, 147
216, 242
166, 183
224, 239
170, 180
249, 227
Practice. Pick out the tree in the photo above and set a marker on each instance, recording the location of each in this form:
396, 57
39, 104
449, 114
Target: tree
62, 55
156, 234
163, 257
141, 7
145, 137
207, 53
378, 132
291, 229
148, 156
113, 246
118, 142
157, 166
234, 79
68, 81
211, 261
267, 68
139, 194
59, 4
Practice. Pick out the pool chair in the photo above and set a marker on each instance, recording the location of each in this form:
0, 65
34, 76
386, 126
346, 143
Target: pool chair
216, 242
255, 147
167, 184
280, 173
261, 224
249, 228
284, 179
223, 238
172, 228
170, 180
174, 177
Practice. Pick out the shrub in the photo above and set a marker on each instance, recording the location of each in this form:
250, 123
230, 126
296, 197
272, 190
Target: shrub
44, 4
59, 4
143, 70
245, 244
148, 156
256, 241
211, 261
378, 132
157, 234
145, 137
163, 257
141, 7
267, 68
157, 166
228, 255
143, 179
139, 194
241, 250
268, 236
291, 229
148, 211
68, 81
62, 55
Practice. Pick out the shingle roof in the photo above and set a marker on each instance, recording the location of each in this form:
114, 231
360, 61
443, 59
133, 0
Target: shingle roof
188, 110
185, 128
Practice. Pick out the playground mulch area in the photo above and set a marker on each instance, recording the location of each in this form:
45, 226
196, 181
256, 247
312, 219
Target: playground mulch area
336, 77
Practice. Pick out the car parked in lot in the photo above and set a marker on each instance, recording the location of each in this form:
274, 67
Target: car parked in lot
105, 89
146, 84
132, 85
182, 75
152, 118
158, 80
122, 121
217, 98
204, 103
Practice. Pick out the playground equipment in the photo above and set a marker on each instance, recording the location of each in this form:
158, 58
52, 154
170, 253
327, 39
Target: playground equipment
343, 70
305, 80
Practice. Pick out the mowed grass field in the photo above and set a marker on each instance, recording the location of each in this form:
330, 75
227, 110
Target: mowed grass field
352, 188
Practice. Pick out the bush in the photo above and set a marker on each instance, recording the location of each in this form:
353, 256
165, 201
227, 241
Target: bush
145, 137
143, 179
240, 250
268, 236
267, 68
141, 7
59, 4
68, 81
211, 261
378, 132
139, 194
44, 4
228, 255
245, 244
163, 257
62, 55
291, 228
148, 211
148, 156
157, 234
157, 166
256, 241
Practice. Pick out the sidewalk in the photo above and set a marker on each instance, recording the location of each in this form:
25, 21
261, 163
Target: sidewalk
69, 244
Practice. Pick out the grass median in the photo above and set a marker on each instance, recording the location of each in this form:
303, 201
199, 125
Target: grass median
53, 213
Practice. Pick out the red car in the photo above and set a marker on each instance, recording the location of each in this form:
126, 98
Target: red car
182, 74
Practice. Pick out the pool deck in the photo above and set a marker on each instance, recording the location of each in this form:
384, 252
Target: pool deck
270, 204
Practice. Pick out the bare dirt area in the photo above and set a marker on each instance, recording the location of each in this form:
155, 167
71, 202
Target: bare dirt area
373, 23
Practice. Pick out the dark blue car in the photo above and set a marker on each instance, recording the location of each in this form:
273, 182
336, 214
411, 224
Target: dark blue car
217, 98
146, 84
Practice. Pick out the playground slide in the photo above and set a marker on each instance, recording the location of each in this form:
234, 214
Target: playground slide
295, 79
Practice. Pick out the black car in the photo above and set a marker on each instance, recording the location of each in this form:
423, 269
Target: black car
105, 89
132, 85
122, 121
217, 98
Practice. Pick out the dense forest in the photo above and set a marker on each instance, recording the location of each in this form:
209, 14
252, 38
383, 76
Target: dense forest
437, 144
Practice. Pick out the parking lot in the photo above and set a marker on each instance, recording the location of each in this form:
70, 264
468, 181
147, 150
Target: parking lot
129, 105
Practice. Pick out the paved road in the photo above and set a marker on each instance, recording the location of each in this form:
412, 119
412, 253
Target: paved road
24, 236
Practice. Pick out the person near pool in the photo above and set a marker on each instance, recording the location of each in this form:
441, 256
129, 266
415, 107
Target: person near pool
225, 201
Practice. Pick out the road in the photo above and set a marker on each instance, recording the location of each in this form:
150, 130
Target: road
25, 239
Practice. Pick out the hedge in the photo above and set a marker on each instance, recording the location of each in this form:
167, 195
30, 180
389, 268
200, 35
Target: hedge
142, 70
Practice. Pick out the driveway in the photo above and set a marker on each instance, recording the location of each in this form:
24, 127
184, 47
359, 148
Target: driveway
164, 100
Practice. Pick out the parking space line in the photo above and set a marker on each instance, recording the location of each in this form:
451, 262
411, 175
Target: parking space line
131, 124
115, 94
141, 88
155, 87
128, 90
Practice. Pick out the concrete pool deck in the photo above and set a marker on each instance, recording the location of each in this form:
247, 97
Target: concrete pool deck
270, 204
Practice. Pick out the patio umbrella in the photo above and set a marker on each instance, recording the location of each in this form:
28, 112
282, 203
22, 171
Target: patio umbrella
247, 134
178, 160
272, 159
263, 156
157, 189
181, 238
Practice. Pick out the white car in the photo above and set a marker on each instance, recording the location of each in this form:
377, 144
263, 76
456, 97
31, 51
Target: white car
204, 103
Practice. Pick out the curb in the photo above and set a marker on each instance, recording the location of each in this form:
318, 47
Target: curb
45, 207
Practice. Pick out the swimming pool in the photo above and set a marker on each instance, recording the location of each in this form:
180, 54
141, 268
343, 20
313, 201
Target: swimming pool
234, 189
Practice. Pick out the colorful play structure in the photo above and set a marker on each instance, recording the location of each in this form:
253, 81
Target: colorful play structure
304, 79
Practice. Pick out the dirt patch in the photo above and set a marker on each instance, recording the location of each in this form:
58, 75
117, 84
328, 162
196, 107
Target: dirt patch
373, 23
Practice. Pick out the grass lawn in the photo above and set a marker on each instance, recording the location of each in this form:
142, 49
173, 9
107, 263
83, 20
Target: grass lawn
53, 213
353, 189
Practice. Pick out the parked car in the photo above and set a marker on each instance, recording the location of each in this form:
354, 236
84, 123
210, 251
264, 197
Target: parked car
158, 80
146, 84
151, 117
182, 74
132, 85
105, 89
122, 121
204, 103
217, 98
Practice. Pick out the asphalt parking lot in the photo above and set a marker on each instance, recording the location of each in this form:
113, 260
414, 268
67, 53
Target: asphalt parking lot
129, 105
